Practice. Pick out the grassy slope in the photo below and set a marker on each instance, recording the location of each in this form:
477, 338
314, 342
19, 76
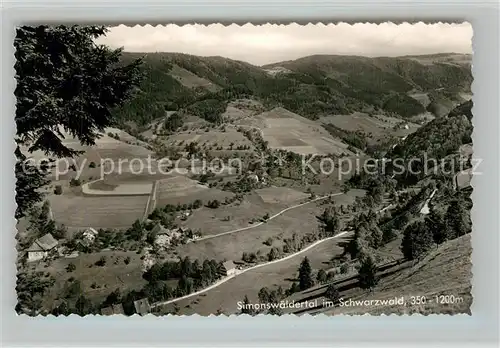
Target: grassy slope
444, 271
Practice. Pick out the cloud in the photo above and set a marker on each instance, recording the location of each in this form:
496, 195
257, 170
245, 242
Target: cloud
268, 43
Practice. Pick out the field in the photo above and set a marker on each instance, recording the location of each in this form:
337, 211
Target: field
231, 217
129, 189
299, 221
378, 126
422, 98
226, 296
190, 80
242, 109
114, 275
288, 131
180, 189
280, 195
98, 212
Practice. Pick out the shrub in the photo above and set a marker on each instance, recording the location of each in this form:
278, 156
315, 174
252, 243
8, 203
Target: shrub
58, 190
75, 182
332, 293
92, 165
213, 204
268, 241
71, 267
101, 262
322, 276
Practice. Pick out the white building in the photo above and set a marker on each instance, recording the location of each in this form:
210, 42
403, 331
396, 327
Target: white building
89, 236
230, 268
41, 247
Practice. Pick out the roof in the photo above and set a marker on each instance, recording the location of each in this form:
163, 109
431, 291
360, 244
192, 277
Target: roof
90, 230
47, 242
35, 247
229, 265
142, 306
118, 309
107, 311
159, 229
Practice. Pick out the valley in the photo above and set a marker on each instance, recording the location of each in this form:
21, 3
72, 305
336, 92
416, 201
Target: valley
197, 197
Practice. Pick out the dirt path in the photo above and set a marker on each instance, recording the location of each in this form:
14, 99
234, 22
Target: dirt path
270, 218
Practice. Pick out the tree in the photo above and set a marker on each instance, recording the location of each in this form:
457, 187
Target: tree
436, 224
321, 277
64, 81
305, 275
330, 222
273, 254
264, 295
416, 241
246, 308
367, 273
332, 293
457, 219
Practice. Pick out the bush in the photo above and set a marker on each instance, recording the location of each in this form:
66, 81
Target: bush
321, 276
213, 204
127, 260
101, 262
268, 241
71, 267
92, 165
75, 182
197, 204
58, 190
332, 293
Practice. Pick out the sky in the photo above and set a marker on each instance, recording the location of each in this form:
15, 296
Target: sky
264, 44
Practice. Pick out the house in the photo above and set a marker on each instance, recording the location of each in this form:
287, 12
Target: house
159, 230
162, 240
230, 268
142, 306
115, 309
118, 309
254, 178
107, 311
41, 247
89, 236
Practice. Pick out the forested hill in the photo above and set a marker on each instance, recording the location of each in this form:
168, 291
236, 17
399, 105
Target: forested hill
311, 86
438, 139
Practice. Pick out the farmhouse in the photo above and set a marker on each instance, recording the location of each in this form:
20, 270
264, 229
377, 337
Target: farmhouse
107, 311
159, 230
115, 309
89, 236
142, 306
41, 247
230, 268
